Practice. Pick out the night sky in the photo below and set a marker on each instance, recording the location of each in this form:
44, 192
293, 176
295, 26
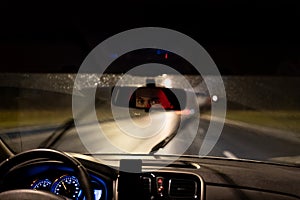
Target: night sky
242, 37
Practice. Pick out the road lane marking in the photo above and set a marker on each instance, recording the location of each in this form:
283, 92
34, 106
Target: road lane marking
228, 154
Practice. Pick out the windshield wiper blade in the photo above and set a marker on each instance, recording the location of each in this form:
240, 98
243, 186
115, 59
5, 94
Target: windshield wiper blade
57, 134
163, 143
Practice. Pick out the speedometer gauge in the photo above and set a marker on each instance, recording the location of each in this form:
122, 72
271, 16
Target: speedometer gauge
67, 186
43, 184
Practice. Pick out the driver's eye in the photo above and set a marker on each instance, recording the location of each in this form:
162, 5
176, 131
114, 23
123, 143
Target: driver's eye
140, 101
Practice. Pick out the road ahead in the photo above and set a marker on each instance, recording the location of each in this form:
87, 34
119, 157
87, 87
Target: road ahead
234, 142
238, 142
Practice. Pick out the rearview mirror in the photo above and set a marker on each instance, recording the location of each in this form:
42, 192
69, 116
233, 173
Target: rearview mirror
149, 97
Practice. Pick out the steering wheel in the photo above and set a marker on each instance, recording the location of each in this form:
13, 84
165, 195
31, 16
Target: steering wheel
22, 194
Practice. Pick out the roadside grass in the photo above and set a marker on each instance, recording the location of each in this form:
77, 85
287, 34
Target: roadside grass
40, 117
280, 119
20, 118
288, 120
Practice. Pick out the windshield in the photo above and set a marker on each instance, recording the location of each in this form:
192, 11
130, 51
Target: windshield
262, 127
152, 90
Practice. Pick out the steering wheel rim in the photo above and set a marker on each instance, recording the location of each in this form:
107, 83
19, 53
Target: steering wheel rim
79, 169
25, 194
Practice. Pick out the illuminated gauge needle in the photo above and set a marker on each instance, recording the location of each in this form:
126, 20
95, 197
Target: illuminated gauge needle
64, 185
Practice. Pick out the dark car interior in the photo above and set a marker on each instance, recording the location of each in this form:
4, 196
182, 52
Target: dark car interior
187, 178
245, 38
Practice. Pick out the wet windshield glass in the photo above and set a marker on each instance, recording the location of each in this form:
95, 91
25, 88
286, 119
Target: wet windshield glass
261, 123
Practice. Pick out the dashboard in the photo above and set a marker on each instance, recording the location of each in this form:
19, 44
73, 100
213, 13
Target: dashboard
55, 177
185, 179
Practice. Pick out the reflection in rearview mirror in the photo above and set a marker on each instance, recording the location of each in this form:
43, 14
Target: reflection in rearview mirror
149, 97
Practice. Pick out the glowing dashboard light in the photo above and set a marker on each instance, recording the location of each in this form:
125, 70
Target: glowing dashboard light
159, 181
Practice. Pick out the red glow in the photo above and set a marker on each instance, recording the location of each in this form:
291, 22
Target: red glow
166, 56
159, 181
164, 101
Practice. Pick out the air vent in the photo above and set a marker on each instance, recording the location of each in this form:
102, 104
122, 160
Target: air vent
182, 188
147, 186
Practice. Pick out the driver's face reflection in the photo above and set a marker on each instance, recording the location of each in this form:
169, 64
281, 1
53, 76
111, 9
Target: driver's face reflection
146, 102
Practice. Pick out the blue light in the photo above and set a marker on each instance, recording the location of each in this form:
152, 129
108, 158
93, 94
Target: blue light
161, 52
37, 169
102, 182
114, 55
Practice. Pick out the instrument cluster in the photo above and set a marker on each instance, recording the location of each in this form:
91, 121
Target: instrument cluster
68, 186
